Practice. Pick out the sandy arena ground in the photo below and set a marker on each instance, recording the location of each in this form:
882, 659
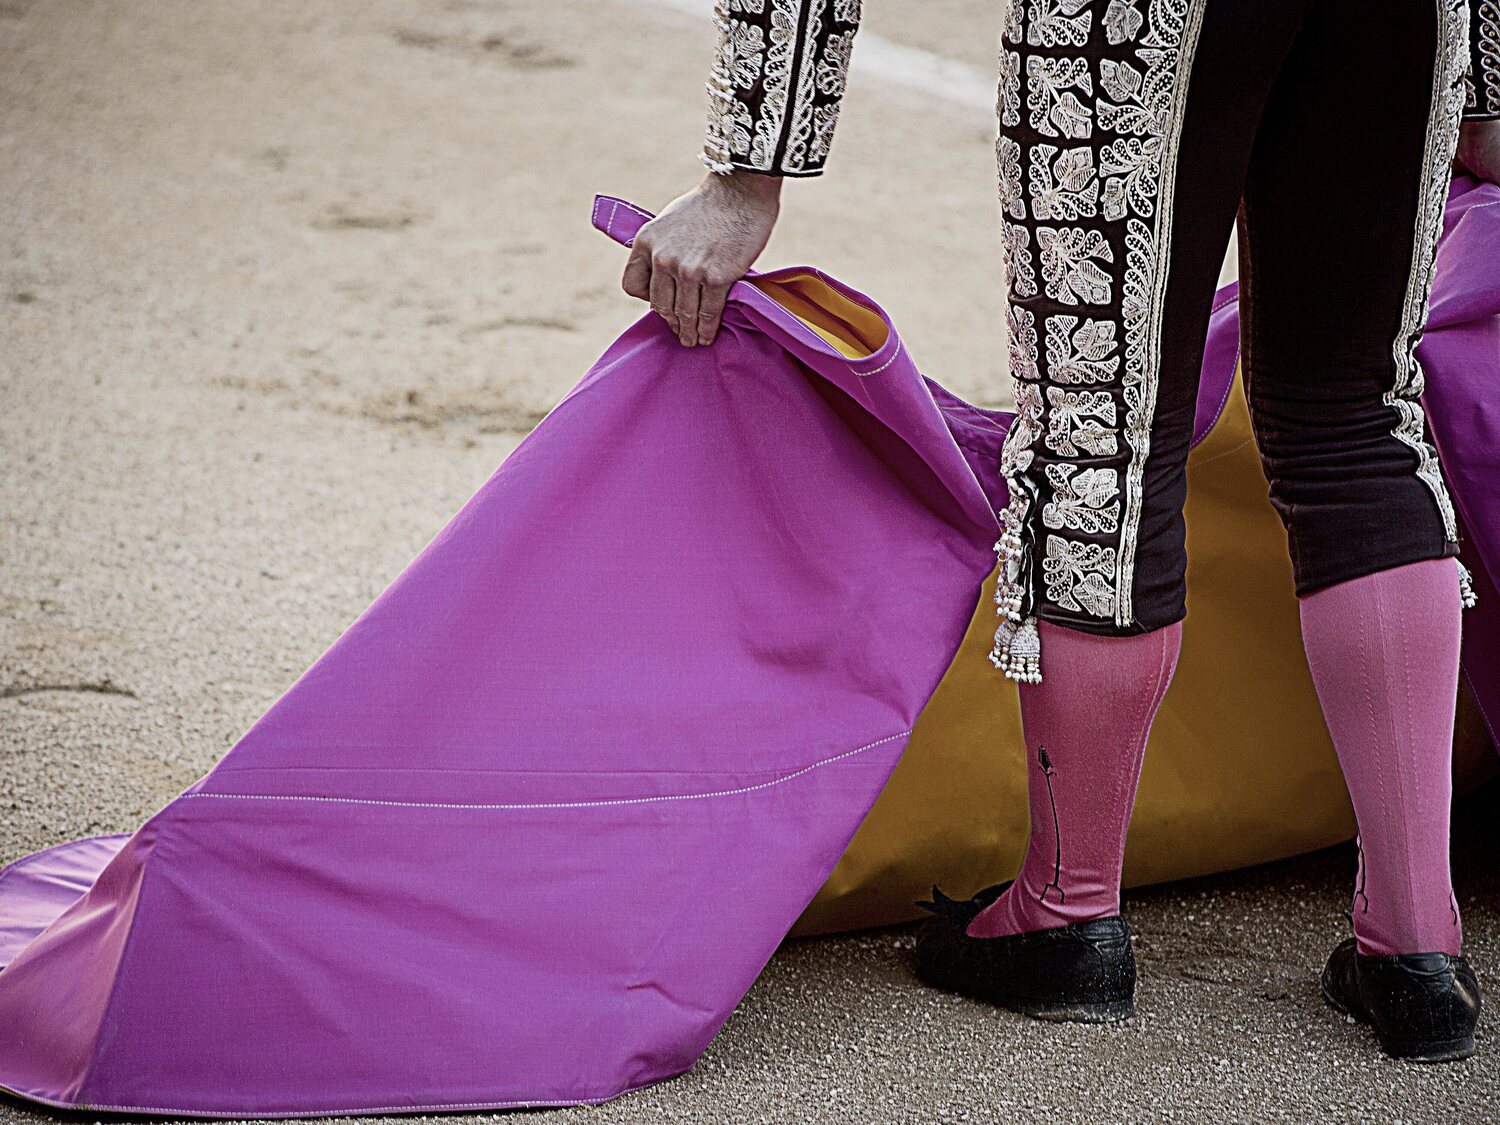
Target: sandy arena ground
280, 284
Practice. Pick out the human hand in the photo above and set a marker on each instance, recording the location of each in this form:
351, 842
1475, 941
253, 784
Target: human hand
1479, 149
684, 260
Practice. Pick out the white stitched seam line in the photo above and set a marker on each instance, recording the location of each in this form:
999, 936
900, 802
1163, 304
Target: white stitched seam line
1223, 401
894, 356
614, 206
1228, 452
1187, 47
552, 804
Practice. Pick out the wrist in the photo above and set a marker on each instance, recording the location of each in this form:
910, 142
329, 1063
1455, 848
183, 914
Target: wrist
757, 187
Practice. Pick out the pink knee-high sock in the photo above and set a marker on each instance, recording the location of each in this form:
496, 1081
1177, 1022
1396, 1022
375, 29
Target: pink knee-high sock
1086, 726
1383, 650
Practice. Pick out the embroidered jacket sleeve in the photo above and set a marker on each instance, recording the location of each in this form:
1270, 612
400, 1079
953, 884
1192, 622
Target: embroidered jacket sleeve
1483, 102
777, 83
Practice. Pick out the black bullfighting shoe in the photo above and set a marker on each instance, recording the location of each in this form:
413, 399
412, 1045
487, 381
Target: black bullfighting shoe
1084, 972
1423, 1006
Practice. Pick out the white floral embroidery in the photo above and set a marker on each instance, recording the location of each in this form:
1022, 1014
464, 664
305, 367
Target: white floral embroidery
825, 117
1054, 110
775, 84
1070, 269
1130, 168
1013, 558
833, 67
1122, 21
1445, 110
1137, 108
1138, 310
733, 126
1011, 522
747, 47
1487, 53
1008, 156
1064, 188
1057, 23
1016, 454
1169, 25
1029, 409
1020, 275
1011, 32
799, 133
1080, 576
1135, 306
740, 52
1008, 104
762, 115
1081, 420
1080, 353
1100, 371
1023, 342
1029, 402
1167, 51
1085, 500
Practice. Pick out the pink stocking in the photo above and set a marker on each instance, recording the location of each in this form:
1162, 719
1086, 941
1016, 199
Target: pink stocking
1384, 655
1086, 726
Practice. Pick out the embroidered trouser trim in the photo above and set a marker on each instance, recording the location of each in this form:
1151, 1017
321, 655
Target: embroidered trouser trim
1130, 132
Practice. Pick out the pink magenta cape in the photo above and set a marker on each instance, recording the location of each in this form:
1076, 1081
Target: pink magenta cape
528, 831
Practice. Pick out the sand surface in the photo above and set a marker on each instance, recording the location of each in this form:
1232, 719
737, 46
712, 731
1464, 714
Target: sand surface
281, 282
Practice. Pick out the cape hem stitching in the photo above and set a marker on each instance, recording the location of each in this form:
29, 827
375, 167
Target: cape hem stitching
545, 804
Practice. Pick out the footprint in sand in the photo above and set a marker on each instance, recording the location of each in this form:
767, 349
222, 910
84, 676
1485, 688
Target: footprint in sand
550, 324
488, 410
346, 218
510, 49
84, 687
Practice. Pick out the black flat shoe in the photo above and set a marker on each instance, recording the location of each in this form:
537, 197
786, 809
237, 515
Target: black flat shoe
1423, 1006
1084, 972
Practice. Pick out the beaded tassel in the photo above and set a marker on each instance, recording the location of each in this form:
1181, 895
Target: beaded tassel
1466, 586
1018, 651
1018, 644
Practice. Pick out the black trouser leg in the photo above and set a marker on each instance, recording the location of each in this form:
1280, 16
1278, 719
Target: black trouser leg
1128, 134
1241, 50
1125, 135
1342, 206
